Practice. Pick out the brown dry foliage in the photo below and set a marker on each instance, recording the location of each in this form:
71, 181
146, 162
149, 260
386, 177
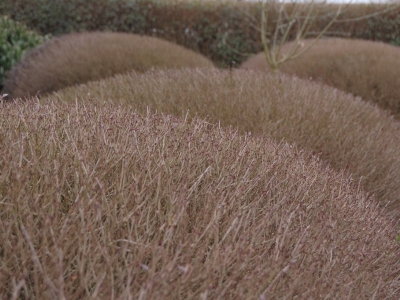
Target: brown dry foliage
364, 68
82, 57
98, 201
347, 132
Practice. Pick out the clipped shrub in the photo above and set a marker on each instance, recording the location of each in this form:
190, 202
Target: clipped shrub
221, 30
102, 202
384, 28
198, 25
15, 40
367, 69
345, 131
66, 16
82, 57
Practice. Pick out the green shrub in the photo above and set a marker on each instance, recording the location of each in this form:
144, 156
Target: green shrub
15, 40
386, 29
65, 16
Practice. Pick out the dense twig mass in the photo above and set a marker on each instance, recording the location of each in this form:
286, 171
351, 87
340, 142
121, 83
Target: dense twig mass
98, 201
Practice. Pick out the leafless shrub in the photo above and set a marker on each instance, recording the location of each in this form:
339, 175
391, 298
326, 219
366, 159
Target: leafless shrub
345, 131
364, 68
82, 57
98, 201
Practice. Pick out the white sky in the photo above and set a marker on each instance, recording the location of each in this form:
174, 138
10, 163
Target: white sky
357, 1
345, 1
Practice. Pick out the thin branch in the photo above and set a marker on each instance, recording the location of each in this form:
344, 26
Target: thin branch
369, 15
319, 36
311, 33
264, 21
36, 261
273, 52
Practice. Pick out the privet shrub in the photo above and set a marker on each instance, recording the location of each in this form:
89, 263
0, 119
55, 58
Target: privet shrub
345, 131
15, 40
78, 58
199, 25
66, 16
100, 202
384, 28
364, 68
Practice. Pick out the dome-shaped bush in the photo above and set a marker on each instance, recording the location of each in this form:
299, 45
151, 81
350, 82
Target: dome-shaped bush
364, 68
101, 202
345, 131
81, 57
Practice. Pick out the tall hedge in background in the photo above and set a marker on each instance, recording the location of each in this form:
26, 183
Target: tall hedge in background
218, 31
15, 40
223, 32
64, 16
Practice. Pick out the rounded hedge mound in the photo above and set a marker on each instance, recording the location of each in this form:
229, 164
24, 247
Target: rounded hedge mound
81, 57
367, 69
345, 131
100, 200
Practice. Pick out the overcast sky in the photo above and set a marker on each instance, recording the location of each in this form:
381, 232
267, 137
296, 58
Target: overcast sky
344, 1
